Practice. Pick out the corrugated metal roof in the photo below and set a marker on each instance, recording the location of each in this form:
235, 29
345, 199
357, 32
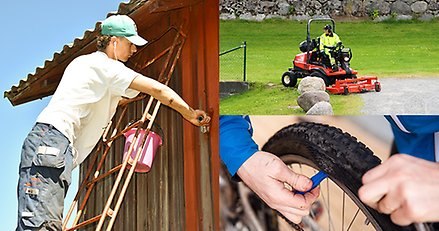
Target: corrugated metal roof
60, 57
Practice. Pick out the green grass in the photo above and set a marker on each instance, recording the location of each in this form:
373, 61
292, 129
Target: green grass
403, 48
269, 99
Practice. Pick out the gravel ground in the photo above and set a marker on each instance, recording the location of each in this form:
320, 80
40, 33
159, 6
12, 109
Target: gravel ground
403, 96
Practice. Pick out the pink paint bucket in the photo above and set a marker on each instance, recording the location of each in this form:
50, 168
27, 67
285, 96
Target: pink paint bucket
153, 141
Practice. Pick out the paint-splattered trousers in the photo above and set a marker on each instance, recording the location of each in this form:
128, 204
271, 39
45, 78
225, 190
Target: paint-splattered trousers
45, 175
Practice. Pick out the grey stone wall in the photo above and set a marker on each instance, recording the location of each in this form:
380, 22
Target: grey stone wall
303, 10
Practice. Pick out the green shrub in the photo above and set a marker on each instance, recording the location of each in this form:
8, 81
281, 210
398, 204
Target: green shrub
374, 14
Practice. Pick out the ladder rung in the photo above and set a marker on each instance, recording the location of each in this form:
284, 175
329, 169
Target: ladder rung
110, 212
84, 223
135, 124
111, 171
91, 220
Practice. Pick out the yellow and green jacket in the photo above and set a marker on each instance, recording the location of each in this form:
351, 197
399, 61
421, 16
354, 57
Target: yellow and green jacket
328, 40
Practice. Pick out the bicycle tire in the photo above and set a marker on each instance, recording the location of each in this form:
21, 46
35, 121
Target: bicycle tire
339, 154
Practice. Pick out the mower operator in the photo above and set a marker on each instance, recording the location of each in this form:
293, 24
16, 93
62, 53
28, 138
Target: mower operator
72, 123
329, 39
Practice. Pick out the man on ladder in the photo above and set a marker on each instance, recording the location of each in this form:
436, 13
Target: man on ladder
70, 126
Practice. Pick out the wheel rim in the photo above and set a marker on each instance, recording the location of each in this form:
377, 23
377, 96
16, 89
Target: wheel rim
329, 187
286, 79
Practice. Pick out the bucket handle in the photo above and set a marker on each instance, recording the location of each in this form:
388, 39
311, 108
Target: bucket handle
154, 124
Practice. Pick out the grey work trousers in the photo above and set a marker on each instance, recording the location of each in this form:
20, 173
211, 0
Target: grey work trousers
45, 175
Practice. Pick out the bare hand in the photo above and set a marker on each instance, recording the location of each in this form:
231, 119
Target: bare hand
199, 118
266, 174
405, 187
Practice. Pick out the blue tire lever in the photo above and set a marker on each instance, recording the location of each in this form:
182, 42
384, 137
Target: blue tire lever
316, 180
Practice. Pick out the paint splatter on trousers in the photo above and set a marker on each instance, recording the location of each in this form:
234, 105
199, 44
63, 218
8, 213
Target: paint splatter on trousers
45, 175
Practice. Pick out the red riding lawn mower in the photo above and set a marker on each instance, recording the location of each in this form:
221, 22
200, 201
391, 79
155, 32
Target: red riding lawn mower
339, 79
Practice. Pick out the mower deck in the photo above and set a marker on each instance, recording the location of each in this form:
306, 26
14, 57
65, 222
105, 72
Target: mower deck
358, 85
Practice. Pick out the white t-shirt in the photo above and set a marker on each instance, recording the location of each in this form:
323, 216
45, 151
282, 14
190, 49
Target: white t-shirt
86, 100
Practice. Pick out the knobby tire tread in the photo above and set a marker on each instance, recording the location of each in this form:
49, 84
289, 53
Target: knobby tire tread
337, 153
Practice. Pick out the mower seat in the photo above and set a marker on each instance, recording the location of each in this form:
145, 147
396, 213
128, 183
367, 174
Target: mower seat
314, 57
303, 46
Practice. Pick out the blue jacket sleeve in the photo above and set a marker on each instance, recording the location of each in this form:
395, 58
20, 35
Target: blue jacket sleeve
416, 135
236, 143
420, 124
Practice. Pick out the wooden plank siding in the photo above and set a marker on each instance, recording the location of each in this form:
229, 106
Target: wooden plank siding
155, 200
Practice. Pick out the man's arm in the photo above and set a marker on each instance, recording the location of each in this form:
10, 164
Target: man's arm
170, 98
263, 172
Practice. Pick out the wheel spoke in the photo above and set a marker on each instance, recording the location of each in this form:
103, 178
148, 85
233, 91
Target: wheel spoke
326, 199
353, 219
312, 214
329, 206
326, 205
342, 212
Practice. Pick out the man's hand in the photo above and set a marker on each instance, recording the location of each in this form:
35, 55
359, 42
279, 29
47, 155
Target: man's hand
169, 97
266, 174
198, 118
405, 187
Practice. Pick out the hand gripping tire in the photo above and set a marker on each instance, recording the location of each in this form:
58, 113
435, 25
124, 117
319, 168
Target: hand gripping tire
339, 154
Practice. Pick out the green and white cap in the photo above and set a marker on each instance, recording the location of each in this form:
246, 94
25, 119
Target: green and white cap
122, 26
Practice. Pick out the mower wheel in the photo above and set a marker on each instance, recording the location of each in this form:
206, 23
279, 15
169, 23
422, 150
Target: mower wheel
289, 79
377, 87
322, 76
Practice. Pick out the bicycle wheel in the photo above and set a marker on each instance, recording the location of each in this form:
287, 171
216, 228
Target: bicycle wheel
341, 156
